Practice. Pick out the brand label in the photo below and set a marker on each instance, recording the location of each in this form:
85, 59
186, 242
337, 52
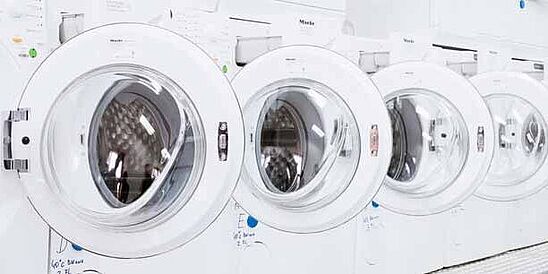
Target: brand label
408, 40
306, 22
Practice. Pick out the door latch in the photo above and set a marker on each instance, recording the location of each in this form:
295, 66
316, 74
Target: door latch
481, 139
9, 162
222, 141
374, 140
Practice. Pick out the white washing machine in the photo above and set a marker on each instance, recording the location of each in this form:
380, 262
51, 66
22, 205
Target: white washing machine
124, 153
233, 48
328, 251
314, 158
441, 154
444, 148
22, 233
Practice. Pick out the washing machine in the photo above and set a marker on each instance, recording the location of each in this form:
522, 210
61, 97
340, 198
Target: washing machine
125, 155
314, 157
441, 150
328, 251
235, 47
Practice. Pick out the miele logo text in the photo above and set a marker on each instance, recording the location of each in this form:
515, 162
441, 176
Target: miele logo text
407, 40
122, 40
307, 22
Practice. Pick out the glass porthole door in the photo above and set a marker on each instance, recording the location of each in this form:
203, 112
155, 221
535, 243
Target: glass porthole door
518, 105
442, 138
317, 139
126, 154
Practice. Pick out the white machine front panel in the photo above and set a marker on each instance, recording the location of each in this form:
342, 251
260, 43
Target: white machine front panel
66, 18
22, 233
325, 8
337, 5
23, 31
210, 31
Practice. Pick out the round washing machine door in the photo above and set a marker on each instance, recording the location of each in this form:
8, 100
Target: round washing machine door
442, 138
519, 107
133, 140
317, 139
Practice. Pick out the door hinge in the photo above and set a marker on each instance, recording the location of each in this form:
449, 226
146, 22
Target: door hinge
21, 165
10, 163
19, 115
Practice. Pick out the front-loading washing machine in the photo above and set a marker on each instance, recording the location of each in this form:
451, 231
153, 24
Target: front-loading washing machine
233, 49
441, 155
22, 233
318, 145
124, 153
441, 150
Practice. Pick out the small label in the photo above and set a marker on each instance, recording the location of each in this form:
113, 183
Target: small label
481, 139
306, 22
118, 5
123, 48
222, 139
408, 40
33, 53
17, 39
374, 140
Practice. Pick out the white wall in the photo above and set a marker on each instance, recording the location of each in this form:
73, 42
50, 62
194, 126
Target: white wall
502, 21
